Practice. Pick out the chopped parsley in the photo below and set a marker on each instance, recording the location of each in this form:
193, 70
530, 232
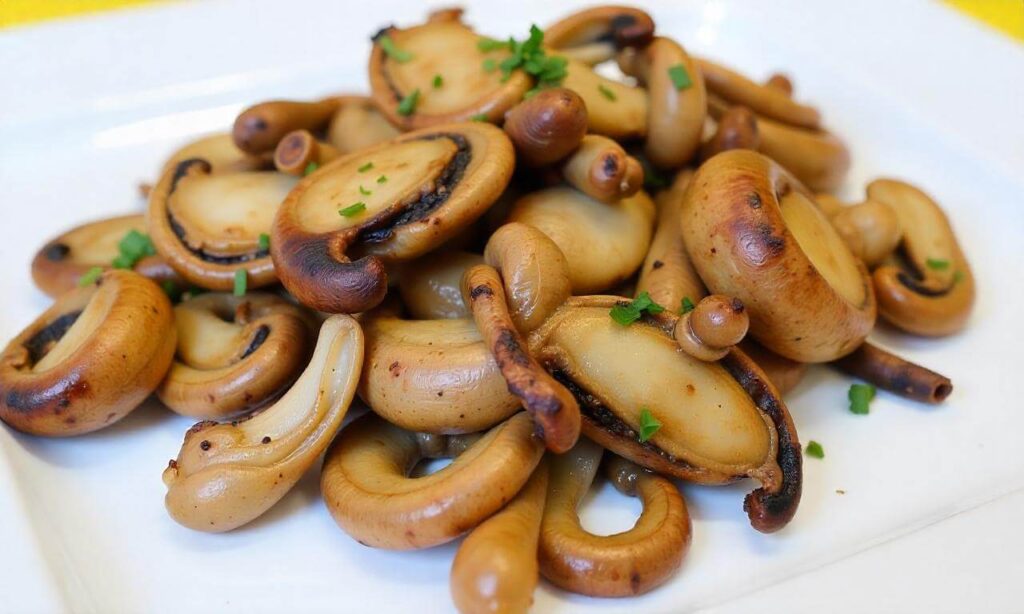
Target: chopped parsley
649, 425
133, 247
310, 169
860, 396
815, 450
606, 92
364, 191
241, 282
352, 209
528, 55
937, 264
438, 81
408, 104
264, 241
90, 276
365, 167
686, 306
489, 44
479, 117
627, 314
391, 49
382, 179
490, 64
680, 78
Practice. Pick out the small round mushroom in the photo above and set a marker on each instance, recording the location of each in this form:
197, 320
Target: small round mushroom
431, 286
59, 265
367, 488
629, 563
88, 360
594, 35
299, 149
871, 229
768, 101
713, 327
547, 126
234, 354
228, 474
259, 128
601, 169
357, 124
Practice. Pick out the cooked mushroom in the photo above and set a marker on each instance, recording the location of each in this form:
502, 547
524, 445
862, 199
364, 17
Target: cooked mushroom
357, 124
366, 486
396, 200
401, 76
629, 563
495, 568
432, 375
234, 354
601, 169
594, 35
228, 474
895, 374
221, 152
88, 360
871, 230
208, 226
754, 233
719, 421
300, 153
431, 286
736, 129
604, 243
614, 109
60, 264
931, 291
259, 128
712, 328
767, 101
781, 371
547, 126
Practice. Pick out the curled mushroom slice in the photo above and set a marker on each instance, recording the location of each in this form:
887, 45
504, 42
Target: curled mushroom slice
404, 73
614, 109
432, 375
601, 169
357, 124
547, 126
396, 200
209, 226
554, 409
719, 420
676, 110
754, 233
931, 291
259, 128
628, 563
234, 354
767, 101
603, 243
88, 360
228, 474
60, 264
594, 35
367, 488
495, 568
299, 153
222, 154
431, 287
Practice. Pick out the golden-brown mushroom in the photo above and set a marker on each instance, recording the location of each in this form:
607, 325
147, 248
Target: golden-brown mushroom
601, 169
712, 328
234, 354
780, 82
547, 126
220, 151
394, 201
366, 486
357, 124
629, 563
431, 286
228, 474
615, 109
781, 371
931, 292
603, 243
754, 233
88, 360
594, 35
767, 101
299, 153
736, 129
259, 128
59, 265
495, 568
895, 374
871, 229
553, 408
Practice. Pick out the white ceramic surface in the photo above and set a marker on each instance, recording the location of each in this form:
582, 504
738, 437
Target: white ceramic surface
88, 109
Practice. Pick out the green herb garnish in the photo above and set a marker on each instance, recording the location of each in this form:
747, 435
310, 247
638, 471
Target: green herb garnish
487, 45
937, 264
606, 92
529, 56
438, 81
815, 450
382, 179
627, 314
408, 104
364, 191
860, 396
649, 425
680, 78
310, 169
90, 276
490, 64
133, 247
687, 306
264, 241
352, 209
241, 281
391, 49
365, 167
479, 117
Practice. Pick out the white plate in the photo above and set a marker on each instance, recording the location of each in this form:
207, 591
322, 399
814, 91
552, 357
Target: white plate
90, 107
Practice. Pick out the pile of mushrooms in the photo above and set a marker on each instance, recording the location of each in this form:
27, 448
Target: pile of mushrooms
513, 261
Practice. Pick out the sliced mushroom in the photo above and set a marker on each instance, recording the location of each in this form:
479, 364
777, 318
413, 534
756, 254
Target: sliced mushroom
367, 488
594, 35
495, 568
228, 474
719, 421
754, 233
88, 360
221, 152
357, 124
445, 47
431, 287
436, 183
61, 263
767, 101
432, 376
547, 126
629, 563
601, 169
931, 292
261, 127
208, 226
234, 354
614, 109
604, 243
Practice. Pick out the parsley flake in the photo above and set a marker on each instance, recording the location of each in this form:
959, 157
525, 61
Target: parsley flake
860, 396
408, 104
365, 167
264, 241
680, 78
487, 45
352, 209
391, 49
649, 425
606, 92
490, 64
90, 276
438, 81
310, 169
937, 264
627, 314
530, 57
815, 450
364, 191
382, 179
133, 247
687, 306
479, 117
241, 282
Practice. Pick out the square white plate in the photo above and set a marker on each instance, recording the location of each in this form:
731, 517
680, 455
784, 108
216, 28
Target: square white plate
90, 107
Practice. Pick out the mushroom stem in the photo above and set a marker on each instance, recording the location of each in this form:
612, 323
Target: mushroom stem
895, 374
601, 169
261, 127
298, 149
770, 101
737, 129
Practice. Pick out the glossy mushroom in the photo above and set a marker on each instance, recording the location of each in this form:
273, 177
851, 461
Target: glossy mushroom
259, 128
754, 233
367, 488
594, 35
299, 153
716, 325
601, 169
871, 229
615, 109
895, 374
629, 563
234, 354
436, 183
767, 101
547, 126
431, 286
220, 151
88, 360
228, 474
736, 128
